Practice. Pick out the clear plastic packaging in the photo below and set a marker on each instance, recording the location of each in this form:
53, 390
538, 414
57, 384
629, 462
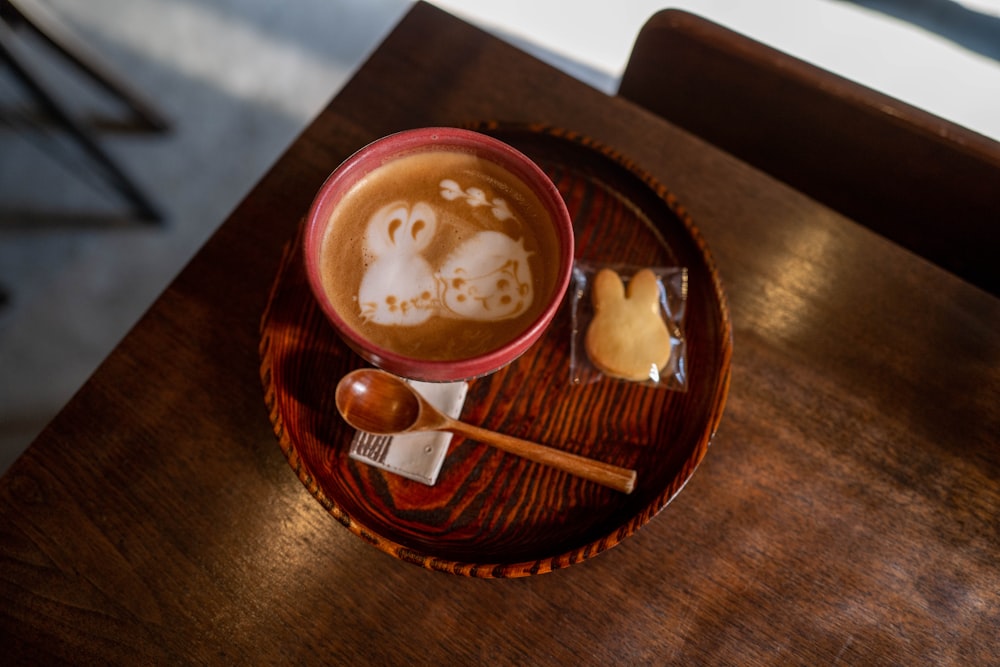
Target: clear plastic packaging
628, 324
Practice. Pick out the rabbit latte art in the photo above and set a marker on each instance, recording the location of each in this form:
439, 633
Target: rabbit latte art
440, 255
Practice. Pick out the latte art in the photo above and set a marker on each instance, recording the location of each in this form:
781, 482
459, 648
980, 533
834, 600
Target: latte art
399, 287
440, 255
487, 277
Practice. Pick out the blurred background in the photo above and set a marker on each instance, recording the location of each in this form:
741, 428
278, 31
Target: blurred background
236, 81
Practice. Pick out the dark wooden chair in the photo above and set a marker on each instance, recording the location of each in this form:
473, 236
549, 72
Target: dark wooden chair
926, 183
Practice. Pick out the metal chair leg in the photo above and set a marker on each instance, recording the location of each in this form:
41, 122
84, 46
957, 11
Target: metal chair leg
9, 52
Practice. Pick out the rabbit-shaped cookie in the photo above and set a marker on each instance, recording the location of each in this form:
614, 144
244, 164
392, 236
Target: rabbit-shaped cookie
487, 278
627, 338
398, 287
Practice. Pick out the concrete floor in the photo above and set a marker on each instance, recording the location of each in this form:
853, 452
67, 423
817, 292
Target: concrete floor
239, 79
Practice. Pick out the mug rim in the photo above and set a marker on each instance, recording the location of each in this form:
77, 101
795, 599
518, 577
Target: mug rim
396, 145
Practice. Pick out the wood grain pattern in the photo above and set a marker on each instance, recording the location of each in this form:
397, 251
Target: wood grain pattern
492, 515
845, 513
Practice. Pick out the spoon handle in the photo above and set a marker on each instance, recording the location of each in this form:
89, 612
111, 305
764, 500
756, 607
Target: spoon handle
612, 476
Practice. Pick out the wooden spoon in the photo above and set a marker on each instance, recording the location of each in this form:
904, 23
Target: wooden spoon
380, 403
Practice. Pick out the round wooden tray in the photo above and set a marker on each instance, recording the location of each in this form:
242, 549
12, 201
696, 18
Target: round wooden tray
491, 514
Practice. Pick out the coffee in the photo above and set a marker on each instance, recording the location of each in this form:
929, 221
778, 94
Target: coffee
440, 255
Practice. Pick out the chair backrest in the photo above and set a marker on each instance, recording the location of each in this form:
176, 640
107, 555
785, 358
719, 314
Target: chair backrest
926, 183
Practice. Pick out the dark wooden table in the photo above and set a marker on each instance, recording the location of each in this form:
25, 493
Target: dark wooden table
847, 511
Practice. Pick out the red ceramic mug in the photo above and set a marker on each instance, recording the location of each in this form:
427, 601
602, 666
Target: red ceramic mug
439, 254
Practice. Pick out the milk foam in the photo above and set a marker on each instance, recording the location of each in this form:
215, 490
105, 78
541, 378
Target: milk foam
485, 278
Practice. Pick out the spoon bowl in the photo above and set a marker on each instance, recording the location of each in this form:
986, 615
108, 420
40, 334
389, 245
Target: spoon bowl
378, 402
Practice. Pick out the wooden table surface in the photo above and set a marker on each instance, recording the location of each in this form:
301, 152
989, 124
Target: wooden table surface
846, 513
